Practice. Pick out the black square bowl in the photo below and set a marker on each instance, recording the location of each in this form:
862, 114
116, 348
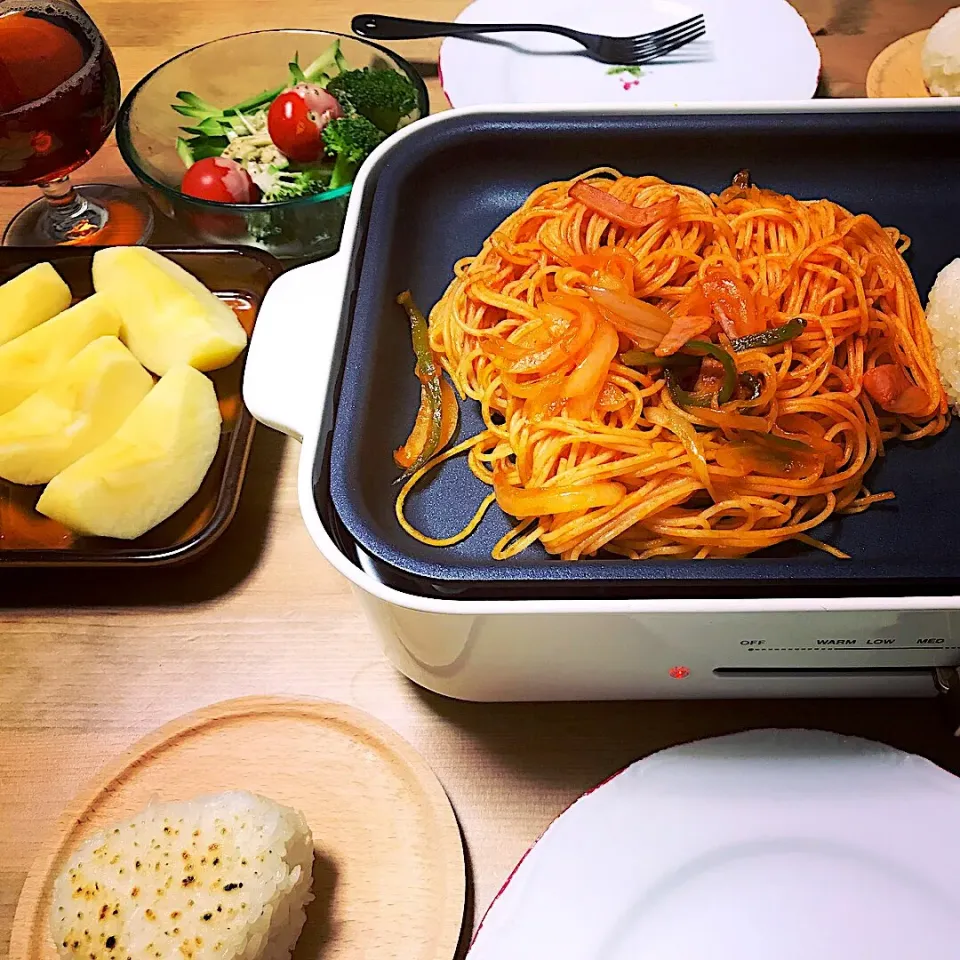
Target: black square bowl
28, 539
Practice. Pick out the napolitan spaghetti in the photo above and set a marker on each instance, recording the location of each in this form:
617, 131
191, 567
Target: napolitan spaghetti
667, 373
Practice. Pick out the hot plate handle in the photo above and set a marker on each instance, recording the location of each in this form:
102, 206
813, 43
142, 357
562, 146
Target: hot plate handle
292, 348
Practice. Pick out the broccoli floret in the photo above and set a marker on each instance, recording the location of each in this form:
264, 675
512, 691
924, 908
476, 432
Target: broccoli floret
384, 97
288, 184
350, 140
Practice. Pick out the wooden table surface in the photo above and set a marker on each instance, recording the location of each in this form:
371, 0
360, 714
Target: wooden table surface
91, 662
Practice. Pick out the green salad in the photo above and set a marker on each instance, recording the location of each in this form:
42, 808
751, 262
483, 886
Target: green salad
303, 138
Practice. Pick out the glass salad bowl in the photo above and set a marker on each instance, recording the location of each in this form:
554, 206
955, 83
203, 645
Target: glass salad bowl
225, 73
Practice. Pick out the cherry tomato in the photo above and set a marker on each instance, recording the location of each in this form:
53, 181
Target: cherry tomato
221, 180
296, 120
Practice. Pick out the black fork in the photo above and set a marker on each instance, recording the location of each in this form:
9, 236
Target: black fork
628, 51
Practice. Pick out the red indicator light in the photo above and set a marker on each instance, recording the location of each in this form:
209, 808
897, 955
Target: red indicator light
679, 673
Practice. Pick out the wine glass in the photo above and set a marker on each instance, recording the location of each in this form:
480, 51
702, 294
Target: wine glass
59, 97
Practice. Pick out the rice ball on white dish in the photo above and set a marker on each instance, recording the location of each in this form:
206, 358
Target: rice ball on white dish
940, 57
943, 319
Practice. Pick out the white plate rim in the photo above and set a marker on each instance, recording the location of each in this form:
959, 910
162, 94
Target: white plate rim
931, 768
789, 10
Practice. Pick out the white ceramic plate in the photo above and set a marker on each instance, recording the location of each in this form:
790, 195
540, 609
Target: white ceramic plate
753, 50
769, 845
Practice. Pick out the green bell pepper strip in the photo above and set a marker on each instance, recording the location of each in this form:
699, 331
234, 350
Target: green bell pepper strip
729, 371
769, 338
644, 358
683, 398
428, 374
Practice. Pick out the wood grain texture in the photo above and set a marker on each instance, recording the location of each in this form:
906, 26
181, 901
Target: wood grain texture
388, 874
91, 662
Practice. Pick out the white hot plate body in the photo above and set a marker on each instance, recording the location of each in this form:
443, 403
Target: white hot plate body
597, 648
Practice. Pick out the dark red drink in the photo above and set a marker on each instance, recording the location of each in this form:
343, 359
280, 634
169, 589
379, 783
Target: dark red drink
59, 90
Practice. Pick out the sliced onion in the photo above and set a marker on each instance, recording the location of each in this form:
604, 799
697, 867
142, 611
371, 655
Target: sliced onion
591, 370
631, 316
731, 421
685, 432
542, 501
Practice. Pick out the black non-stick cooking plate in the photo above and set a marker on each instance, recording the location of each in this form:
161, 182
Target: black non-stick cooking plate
439, 194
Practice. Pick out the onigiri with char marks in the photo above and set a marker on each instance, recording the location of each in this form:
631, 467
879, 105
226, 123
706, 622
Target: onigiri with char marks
225, 876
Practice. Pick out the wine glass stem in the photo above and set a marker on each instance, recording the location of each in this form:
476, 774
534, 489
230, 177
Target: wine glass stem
69, 215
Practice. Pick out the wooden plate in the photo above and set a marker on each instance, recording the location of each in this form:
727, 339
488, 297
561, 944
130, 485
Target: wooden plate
389, 873
896, 72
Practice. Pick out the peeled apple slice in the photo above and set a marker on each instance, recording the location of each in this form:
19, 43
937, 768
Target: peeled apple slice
148, 469
168, 316
30, 298
34, 358
77, 411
